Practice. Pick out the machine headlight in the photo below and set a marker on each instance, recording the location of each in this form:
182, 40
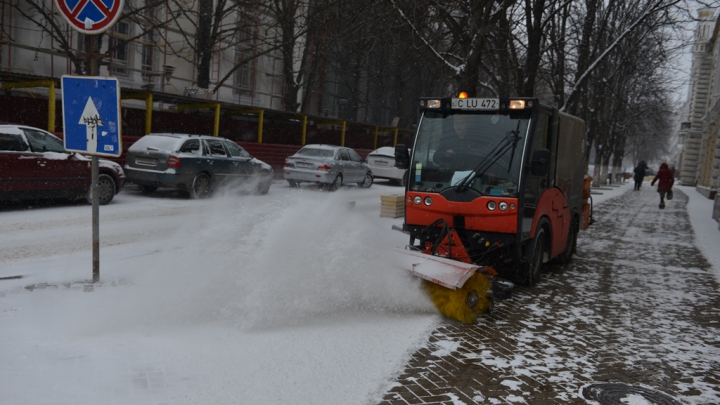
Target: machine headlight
417, 200
433, 104
491, 205
502, 206
428, 201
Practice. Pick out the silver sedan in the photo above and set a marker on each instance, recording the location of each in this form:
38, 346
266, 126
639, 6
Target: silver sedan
327, 165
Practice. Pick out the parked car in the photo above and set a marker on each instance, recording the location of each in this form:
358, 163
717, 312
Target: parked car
35, 165
198, 164
382, 163
328, 165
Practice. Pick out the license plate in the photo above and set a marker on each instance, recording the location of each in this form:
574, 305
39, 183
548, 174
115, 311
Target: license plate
145, 162
381, 162
476, 103
303, 165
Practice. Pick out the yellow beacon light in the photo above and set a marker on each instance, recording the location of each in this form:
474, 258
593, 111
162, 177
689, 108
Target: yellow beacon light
462, 95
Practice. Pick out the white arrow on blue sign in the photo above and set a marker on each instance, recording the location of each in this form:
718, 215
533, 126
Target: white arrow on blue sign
91, 115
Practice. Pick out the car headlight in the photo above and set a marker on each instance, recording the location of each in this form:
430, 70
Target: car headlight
491, 205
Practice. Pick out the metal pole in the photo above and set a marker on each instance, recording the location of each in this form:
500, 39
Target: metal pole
95, 71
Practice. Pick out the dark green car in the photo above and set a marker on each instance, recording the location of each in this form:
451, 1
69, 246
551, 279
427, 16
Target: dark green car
198, 164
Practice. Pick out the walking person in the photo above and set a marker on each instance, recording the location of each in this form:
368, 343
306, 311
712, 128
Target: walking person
639, 174
665, 180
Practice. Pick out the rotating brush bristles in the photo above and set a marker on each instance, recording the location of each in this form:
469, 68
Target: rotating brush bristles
458, 304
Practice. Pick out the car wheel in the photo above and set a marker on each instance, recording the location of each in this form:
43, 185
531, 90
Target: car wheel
293, 183
402, 181
200, 187
263, 187
148, 189
106, 190
530, 271
336, 184
566, 256
367, 182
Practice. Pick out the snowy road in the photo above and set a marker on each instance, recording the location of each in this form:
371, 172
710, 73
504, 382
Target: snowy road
276, 299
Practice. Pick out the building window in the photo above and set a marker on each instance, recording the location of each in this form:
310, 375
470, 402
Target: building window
120, 46
148, 55
245, 75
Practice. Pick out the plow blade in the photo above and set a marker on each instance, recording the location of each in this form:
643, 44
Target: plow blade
459, 290
448, 273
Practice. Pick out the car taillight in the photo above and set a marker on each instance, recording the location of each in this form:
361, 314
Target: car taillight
175, 162
287, 163
323, 167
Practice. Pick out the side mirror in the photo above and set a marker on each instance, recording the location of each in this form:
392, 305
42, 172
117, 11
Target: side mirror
402, 157
540, 164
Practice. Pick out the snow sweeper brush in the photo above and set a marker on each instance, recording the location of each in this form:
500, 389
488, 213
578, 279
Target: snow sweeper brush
460, 291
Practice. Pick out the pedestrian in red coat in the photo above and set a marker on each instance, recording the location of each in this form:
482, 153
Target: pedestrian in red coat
665, 180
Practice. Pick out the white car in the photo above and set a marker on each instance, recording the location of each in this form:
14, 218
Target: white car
382, 164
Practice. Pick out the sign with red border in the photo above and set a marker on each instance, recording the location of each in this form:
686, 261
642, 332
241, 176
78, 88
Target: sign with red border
90, 16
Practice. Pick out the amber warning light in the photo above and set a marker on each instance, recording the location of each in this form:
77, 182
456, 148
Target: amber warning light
463, 95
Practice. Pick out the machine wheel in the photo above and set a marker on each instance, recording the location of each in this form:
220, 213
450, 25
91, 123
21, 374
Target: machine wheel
530, 271
463, 304
336, 184
367, 182
106, 190
200, 187
294, 184
567, 254
148, 189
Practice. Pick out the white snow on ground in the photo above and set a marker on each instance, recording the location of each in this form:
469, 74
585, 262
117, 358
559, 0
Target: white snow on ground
277, 299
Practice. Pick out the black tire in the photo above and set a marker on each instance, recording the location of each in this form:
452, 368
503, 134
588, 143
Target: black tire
106, 190
566, 256
294, 184
531, 270
201, 187
336, 184
263, 187
148, 189
367, 182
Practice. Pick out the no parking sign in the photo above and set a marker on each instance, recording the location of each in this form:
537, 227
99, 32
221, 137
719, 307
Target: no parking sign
90, 16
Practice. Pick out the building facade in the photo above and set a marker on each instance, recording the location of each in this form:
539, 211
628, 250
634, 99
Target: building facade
700, 118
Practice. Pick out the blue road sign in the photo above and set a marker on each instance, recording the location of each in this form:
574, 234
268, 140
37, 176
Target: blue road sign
91, 115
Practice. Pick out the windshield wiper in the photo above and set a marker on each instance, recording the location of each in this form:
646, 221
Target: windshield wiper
506, 144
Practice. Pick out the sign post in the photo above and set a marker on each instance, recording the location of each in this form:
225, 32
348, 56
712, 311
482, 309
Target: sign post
100, 114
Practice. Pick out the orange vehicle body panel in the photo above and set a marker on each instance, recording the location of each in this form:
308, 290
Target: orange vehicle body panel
554, 206
477, 216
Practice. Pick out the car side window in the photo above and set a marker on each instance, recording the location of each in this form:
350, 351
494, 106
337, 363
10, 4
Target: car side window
236, 151
344, 155
354, 156
44, 142
216, 148
12, 143
192, 146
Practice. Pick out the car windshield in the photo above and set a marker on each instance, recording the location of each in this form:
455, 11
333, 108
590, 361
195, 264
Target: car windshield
163, 143
316, 152
482, 151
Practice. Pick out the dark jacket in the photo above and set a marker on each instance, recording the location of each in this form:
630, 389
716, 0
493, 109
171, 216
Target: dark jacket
664, 177
639, 171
